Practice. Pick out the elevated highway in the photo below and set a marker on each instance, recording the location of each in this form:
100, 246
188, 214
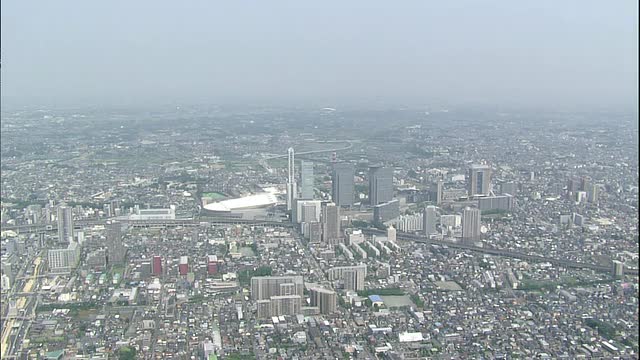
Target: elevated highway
403, 236
502, 252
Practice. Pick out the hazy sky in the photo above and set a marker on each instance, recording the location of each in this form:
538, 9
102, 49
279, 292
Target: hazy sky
331, 52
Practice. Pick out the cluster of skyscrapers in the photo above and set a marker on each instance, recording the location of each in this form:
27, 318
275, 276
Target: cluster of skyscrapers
342, 183
320, 221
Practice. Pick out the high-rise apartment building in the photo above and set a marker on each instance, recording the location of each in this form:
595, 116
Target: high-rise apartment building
306, 180
429, 218
439, 191
324, 299
342, 184
380, 185
330, 223
593, 192
386, 211
305, 211
572, 186
409, 223
277, 295
264, 287
585, 183
471, 224
311, 212
313, 231
115, 248
479, 180
351, 276
391, 233
450, 221
291, 179
286, 305
500, 202
65, 224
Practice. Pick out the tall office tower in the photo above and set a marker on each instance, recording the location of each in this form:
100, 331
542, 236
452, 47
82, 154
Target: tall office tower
115, 247
380, 185
330, 223
391, 233
291, 180
592, 193
324, 299
585, 182
572, 186
306, 180
342, 184
439, 191
264, 287
65, 224
157, 266
471, 224
479, 180
429, 219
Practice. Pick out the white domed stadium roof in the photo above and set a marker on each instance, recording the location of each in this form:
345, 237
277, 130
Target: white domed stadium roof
247, 202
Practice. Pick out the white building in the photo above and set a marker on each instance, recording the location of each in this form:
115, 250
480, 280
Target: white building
154, 214
64, 260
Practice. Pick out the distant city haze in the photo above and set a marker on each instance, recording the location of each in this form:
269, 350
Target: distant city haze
560, 54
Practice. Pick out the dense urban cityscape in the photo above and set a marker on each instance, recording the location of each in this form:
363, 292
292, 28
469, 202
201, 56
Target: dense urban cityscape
206, 232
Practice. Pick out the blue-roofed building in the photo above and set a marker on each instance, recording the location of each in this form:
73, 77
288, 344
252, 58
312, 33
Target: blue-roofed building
376, 300
54, 355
